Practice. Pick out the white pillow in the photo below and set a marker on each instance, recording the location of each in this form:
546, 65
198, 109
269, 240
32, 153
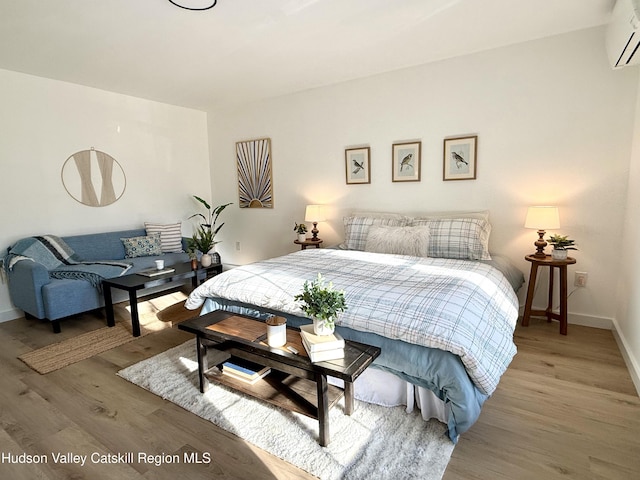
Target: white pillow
398, 240
170, 235
461, 238
356, 228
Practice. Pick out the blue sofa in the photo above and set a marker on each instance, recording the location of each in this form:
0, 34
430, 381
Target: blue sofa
33, 291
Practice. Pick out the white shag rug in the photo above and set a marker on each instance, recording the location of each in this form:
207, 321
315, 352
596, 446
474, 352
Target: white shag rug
375, 442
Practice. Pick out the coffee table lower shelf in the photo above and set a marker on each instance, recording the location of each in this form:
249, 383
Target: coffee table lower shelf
282, 390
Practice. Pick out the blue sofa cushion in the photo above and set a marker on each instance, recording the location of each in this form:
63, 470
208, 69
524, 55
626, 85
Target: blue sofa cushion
101, 246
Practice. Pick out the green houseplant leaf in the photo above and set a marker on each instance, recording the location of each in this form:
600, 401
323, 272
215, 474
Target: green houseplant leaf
204, 237
300, 228
561, 242
202, 240
212, 214
321, 301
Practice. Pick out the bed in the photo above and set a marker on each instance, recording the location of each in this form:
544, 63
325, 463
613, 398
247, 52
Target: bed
444, 324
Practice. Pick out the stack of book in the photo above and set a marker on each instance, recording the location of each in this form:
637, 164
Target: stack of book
321, 348
245, 371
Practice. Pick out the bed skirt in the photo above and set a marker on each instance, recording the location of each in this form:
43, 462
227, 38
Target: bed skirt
383, 388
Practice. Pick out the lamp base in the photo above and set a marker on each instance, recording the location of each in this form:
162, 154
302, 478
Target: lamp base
540, 244
315, 232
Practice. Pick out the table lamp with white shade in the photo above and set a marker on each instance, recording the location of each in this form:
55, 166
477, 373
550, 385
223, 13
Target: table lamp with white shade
542, 218
314, 214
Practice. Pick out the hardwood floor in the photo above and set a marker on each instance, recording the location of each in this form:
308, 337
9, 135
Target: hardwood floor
566, 408
86, 408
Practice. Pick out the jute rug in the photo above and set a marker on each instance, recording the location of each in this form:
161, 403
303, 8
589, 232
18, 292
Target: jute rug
155, 314
373, 443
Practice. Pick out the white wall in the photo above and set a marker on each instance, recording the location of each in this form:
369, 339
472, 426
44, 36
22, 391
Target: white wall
554, 125
628, 312
163, 150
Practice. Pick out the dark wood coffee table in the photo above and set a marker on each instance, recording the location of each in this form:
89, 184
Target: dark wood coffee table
294, 383
134, 282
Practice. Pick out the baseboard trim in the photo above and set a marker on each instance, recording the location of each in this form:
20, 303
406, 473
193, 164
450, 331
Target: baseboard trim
579, 319
11, 314
590, 321
632, 364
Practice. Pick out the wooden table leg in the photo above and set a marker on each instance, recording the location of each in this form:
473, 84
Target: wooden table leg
323, 409
135, 319
563, 300
549, 311
530, 290
202, 365
108, 305
348, 398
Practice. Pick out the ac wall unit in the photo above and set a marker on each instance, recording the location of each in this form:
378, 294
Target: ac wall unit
623, 34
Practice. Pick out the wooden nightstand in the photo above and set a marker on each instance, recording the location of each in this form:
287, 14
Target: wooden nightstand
561, 265
308, 243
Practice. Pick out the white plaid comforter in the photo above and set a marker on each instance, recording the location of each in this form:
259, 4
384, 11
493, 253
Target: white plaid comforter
465, 307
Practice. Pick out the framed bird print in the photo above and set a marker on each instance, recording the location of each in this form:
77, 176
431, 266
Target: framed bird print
357, 164
460, 155
406, 162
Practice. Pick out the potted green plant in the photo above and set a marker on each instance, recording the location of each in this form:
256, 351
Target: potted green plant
301, 230
322, 303
561, 243
203, 241
203, 238
212, 215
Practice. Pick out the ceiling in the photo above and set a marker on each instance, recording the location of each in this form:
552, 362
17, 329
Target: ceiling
245, 50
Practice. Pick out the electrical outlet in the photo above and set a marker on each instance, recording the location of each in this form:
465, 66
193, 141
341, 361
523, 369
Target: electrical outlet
581, 279
238, 246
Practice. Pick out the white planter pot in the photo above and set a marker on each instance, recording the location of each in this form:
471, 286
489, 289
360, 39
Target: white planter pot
302, 237
559, 254
320, 327
205, 260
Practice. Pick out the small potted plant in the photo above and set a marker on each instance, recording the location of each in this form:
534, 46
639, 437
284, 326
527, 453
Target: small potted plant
301, 230
322, 303
202, 240
191, 251
561, 243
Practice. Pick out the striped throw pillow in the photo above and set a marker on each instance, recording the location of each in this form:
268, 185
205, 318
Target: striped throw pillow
170, 235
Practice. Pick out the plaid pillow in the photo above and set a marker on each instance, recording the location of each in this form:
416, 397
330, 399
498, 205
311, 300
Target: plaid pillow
461, 238
142, 246
170, 236
356, 228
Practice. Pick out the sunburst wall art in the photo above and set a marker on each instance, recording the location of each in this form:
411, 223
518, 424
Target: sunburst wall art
255, 185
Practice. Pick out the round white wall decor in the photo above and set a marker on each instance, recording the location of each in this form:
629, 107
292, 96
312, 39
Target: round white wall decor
93, 178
